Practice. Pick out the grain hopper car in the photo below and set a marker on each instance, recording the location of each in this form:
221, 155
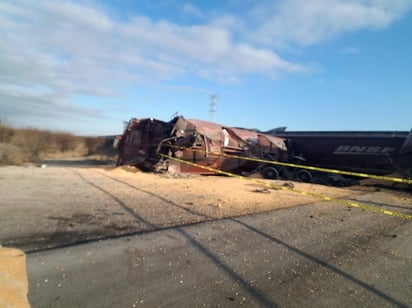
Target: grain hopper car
200, 142
371, 152
210, 144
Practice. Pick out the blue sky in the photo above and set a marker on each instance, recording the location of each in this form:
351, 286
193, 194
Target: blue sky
87, 66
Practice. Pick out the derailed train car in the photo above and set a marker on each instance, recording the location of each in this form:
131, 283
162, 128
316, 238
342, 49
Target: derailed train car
372, 152
206, 143
199, 142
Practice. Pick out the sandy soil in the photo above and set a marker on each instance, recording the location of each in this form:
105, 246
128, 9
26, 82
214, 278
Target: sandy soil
64, 204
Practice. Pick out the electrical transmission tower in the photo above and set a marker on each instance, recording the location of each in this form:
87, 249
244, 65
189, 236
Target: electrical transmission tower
212, 106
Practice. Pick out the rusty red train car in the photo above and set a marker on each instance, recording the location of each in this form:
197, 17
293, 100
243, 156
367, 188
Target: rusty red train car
209, 144
199, 142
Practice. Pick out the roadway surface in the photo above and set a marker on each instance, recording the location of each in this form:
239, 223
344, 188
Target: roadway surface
319, 255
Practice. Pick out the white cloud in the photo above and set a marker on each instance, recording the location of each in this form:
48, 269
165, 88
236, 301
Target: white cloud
72, 47
79, 15
76, 47
191, 10
299, 22
21, 102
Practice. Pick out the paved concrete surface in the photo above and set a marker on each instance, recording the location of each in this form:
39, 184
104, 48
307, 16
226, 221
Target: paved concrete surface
319, 255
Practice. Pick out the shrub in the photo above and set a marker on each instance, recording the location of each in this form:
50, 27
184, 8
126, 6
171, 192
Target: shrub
5, 133
12, 155
94, 145
32, 145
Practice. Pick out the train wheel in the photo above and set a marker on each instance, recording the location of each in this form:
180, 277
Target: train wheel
304, 176
270, 173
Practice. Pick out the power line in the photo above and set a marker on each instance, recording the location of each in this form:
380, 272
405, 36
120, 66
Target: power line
212, 106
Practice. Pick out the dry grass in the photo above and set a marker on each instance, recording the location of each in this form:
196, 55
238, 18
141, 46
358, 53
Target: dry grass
18, 146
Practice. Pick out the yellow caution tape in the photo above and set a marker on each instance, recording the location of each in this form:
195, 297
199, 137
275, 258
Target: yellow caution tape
315, 195
362, 175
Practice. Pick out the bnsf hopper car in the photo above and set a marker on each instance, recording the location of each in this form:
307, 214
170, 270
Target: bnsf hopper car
206, 144
374, 152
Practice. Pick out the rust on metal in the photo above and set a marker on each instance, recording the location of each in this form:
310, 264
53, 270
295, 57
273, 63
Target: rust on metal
209, 144
203, 140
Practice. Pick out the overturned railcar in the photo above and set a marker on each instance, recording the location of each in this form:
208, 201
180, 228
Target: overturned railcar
199, 142
151, 145
139, 143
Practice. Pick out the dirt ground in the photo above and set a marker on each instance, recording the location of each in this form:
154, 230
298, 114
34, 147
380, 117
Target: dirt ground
67, 202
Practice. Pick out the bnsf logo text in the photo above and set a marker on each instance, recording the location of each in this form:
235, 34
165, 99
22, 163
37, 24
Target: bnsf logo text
354, 149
